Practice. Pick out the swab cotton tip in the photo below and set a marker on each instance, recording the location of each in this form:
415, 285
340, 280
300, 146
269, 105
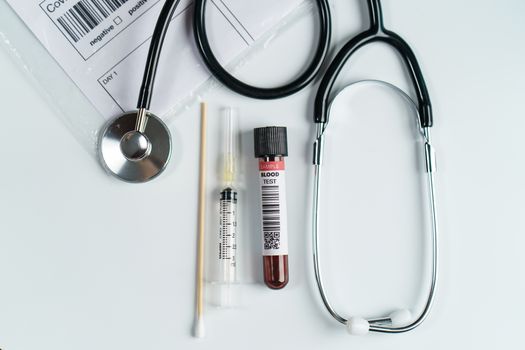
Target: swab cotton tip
357, 326
198, 329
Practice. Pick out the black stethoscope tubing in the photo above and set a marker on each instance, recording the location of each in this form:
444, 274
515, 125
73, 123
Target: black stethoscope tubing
155, 48
203, 45
201, 39
376, 33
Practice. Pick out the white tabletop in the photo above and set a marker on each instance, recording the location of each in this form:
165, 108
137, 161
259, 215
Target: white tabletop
89, 262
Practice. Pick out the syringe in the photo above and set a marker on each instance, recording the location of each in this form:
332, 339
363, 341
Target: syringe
227, 242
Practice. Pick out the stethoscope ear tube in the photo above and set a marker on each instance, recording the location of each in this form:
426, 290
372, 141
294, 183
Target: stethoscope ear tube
401, 320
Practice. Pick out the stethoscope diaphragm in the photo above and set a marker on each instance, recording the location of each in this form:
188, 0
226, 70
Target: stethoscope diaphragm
132, 155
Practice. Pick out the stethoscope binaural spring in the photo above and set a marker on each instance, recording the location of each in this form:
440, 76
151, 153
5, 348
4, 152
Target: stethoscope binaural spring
400, 320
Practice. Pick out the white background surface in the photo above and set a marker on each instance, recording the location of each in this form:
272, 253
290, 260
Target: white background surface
88, 262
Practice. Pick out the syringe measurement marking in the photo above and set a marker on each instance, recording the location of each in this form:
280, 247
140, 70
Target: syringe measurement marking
227, 232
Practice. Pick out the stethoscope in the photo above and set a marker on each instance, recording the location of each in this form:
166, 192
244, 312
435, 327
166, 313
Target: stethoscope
401, 320
136, 146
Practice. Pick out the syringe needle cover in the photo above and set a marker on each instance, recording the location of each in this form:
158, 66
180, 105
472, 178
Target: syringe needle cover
229, 154
227, 238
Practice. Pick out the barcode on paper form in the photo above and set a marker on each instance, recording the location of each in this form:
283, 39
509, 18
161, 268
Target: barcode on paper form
86, 15
271, 215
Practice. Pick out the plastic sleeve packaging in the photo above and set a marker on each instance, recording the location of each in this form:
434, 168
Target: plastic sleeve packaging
85, 95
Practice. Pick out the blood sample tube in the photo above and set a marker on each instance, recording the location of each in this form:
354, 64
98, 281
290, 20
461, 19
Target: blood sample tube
271, 146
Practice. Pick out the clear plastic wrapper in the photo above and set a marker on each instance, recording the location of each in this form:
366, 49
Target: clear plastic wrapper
88, 57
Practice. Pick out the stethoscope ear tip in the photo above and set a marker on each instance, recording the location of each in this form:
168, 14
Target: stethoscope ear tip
360, 326
400, 317
357, 326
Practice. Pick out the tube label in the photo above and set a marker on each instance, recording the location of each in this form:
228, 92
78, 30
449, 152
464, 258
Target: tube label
273, 204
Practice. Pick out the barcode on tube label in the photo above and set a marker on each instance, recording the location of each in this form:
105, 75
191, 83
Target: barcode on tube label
273, 204
90, 24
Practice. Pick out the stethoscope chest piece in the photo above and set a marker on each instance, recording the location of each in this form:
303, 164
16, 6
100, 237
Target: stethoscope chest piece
135, 148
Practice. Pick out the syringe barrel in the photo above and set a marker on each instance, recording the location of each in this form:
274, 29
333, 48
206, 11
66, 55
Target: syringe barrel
227, 242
